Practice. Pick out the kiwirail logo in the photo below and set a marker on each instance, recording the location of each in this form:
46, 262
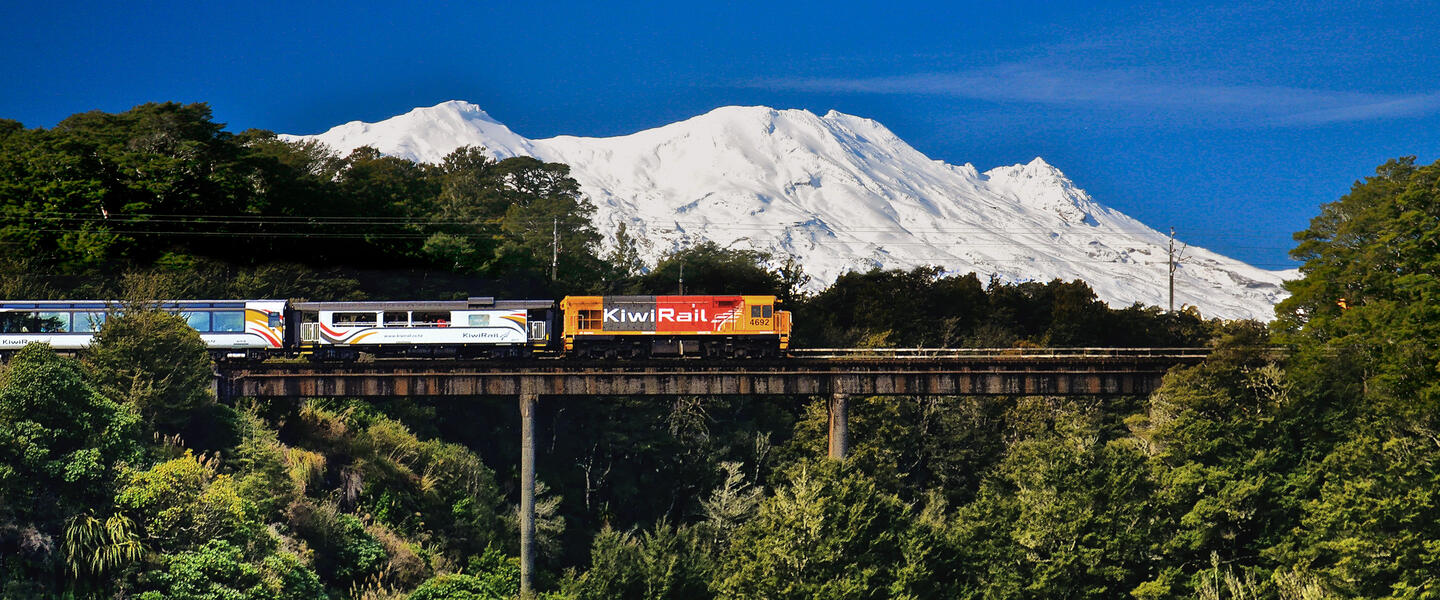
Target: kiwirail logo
651, 313
667, 315
620, 315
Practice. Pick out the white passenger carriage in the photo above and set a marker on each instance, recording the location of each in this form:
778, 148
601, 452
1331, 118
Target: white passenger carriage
478, 327
229, 327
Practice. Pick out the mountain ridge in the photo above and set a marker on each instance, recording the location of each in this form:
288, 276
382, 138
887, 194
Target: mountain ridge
841, 192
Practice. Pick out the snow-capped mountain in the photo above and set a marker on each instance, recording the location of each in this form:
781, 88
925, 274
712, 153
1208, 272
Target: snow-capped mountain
842, 193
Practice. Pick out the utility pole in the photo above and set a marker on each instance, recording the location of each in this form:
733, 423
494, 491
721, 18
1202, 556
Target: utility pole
1174, 263
682, 279
554, 246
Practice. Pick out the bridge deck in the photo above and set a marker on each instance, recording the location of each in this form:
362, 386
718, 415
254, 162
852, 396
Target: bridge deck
869, 372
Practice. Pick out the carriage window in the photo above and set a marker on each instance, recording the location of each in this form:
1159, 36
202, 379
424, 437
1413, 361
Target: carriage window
480, 320
199, 321
397, 318
430, 319
86, 322
17, 322
228, 320
54, 322
590, 319
365, 319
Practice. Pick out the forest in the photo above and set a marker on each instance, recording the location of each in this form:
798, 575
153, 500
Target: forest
1303, 474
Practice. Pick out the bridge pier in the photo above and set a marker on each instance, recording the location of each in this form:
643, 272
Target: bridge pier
527, 493
839, 435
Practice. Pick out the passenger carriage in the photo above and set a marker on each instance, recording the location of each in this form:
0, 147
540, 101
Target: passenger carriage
230, 328
473, 328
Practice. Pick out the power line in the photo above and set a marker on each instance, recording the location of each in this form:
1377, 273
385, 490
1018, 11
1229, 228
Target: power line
376, 219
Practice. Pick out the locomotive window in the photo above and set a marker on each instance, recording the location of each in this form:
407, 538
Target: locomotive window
54, 322
199, 321
590, 319
769, 311
755, 312
352, 319
397, 319
480, 320
88, 321
228, 321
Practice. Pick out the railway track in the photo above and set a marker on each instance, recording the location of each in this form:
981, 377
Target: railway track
958, 353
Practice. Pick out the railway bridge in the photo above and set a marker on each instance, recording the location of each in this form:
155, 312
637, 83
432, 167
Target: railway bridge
833, 373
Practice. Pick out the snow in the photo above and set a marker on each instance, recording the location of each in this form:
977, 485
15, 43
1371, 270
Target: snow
843, 193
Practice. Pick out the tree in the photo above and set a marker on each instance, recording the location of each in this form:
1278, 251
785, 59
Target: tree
62, 444
1364, 323
545, 201
181, 504
660, 564
1065, 514
828, 533
154, 362
625, 256
710, 269
918, 307
1224, 439
459, 586
1372, 532
218, 570
1368, 303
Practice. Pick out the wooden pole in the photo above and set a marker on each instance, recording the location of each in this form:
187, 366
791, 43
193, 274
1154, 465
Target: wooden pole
839, 426
527, 494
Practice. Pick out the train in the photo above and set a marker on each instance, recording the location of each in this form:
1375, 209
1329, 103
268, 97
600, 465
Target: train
591, 327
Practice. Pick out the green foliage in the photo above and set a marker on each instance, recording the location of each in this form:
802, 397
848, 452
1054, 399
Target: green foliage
924, 308
731, 503
218, 570
625, 258
491, 575
912, 445
1363, 324
345, 553
61, 441
154, 362
1244, 477
93, 546
415, 485
1065, 514
663, 563
164, 181
458, 586
1218, 437
357, 553
265, 478
828, 533
1369, 301
182, 503
1372, 532
710, 269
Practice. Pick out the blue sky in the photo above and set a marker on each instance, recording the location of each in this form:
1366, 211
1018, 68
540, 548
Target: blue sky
1231, 122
